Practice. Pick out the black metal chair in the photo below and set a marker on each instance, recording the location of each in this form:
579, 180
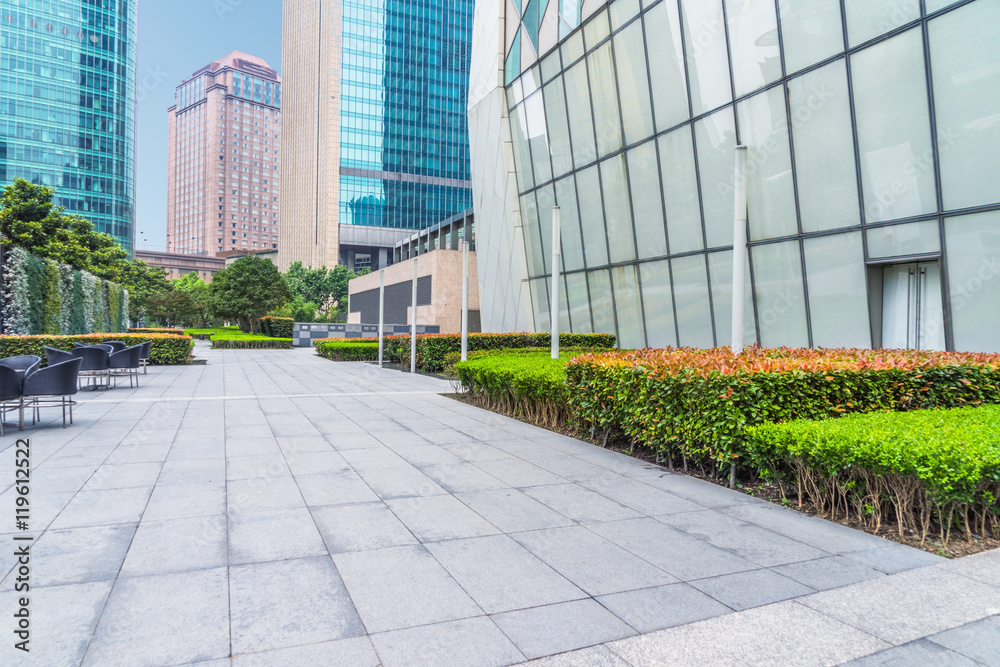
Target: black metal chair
22, 363
125, 362
54, 355
116, 345
11, 383
44, 386
104, 346
95, 364
144, 354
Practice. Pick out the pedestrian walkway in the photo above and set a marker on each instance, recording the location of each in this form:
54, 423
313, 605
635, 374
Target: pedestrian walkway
274, 508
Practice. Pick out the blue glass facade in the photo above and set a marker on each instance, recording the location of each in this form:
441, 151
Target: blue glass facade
67, 104
404, 147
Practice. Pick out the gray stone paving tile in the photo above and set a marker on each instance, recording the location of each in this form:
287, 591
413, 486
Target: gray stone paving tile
44, 507
60, 480
263, 494
567, 467
460, 477
676, 553
351, 652
476, 451
75, 556
595, 656
399, 482
983, 566
264, 446
289, 603
473, 641
979, 640
435, 518
561, 627
428, 455
146, 433
402, 587
651, 609
825, 573
284, 425
511, 510
192, 471
312, 463
155, 453
180, 501
640, 497
400, 438
908, 606
372, 459
177, 545
164, 619
206, 450
256, 537
894, 558
690, 488
101, 508
91, 456
254, 467
590, 561
744, 590
336, 488
501, 575
292, 444
577, 503
63, 619
360, 527
746, 540
815, 532
123, 476
519, 473
785, 633
920, 652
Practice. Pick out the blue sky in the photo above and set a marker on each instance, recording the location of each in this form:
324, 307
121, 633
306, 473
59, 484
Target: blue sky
176, 38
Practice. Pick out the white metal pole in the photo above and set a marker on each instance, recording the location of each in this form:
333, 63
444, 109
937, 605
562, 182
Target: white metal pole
739, 249
556, 277
465, 295
381, 313
413, 324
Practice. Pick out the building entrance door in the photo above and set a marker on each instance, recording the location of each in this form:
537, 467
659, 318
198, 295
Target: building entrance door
912, 316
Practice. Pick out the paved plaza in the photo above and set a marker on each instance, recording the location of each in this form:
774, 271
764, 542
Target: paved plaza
275, 508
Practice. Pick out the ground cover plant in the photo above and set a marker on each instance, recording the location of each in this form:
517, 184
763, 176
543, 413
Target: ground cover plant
347, 349
165, 348
929, 466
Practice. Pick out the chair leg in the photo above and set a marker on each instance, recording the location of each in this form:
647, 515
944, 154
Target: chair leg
20, 418
63, 401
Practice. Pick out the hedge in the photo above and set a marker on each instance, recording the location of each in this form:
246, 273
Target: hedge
699, 402
159, 330
277, 327
347, 349
917, 466
166, 349
234, 339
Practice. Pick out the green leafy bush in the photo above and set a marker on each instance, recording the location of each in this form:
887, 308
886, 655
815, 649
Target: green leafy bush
231, 338
166, 349
941, 465
277, 327
699, 402
525, 383
347, 349
178, 332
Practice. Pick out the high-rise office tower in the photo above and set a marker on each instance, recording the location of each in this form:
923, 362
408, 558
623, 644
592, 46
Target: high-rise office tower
374, 118
224, 143
67, 107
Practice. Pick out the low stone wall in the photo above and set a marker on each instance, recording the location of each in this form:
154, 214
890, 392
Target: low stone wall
303, 334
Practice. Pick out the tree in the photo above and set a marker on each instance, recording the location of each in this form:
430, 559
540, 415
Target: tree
193, 285
143, 282
247, 290
175, 308
29, 220
324, 287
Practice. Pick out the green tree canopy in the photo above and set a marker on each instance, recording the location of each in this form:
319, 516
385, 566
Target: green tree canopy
143, 282
29, 219
247, 290
326, 288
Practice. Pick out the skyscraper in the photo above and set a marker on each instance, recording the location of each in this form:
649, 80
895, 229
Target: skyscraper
224, 143
374, 117
67, 105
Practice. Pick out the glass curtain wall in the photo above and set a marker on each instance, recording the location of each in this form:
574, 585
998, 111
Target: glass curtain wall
874, 145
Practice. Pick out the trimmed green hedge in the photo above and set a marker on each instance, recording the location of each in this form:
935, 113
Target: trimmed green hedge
277, 327
234, 339
432, 348
941, 465
347, 349
159, 330
698, 403
166, 349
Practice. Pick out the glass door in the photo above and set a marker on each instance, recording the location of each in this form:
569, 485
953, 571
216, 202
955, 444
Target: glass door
912, 316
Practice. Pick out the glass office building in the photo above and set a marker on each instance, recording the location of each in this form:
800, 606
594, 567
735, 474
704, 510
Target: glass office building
873, 131
67, 105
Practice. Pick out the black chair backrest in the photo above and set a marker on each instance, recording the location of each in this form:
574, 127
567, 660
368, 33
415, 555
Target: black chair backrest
117, 345
144, 354
10, 383
94, 358
54, 355
127, 358
55, 380
22, 362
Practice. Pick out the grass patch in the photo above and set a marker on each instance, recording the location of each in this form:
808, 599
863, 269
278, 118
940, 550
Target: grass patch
347, 349
231, 338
